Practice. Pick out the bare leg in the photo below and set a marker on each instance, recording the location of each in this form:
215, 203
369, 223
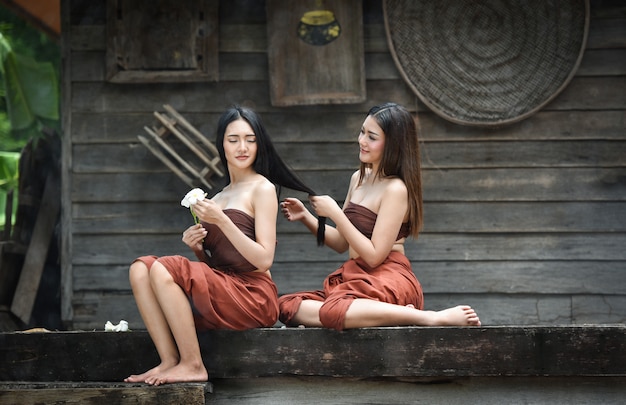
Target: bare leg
308, 314
177, 310
369, 313
155, 321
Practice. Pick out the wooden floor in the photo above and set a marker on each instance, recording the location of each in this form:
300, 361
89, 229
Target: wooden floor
24, 393
488, 365
332, 390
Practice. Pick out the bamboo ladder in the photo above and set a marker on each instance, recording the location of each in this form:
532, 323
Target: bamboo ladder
193, 174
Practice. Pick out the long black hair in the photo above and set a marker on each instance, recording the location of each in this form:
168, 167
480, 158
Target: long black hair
268, 162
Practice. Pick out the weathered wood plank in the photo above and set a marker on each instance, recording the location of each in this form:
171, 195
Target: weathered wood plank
115, 250
523, 217
587, 309
463, 277
128, 187
610, 9
201, 97
544, 125
88, 67
607, 33
371, 352
597, 184
93, 308
98, 128
592, 93
450, 391
103, 393
306, 155
250, 37
603, 62
243, 38
570, 153
523, 184
468, 247
37, 251
603, 33
583, 93
488, 217
469, 277
87, 37
425, 351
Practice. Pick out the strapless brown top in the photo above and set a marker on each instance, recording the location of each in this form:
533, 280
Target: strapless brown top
223, 255
364, 220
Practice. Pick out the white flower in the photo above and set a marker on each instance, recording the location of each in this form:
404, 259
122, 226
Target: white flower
193, 197
120, 327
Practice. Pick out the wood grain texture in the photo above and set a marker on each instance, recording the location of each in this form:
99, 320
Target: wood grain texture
555, 351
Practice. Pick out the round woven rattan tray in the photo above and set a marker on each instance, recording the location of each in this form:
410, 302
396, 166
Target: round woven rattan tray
488, 62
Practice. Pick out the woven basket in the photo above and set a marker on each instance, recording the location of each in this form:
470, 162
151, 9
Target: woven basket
488, 62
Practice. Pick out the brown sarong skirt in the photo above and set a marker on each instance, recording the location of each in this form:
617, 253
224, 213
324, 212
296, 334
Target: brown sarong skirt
393, 281
222, 300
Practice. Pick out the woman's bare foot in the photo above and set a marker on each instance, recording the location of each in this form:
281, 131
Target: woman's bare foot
143, 378
461, 315
180, 373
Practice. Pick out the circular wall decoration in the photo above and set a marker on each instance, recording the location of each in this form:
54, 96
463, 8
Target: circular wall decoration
489, 62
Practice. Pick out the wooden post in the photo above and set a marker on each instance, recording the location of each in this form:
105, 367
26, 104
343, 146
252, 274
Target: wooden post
30, 277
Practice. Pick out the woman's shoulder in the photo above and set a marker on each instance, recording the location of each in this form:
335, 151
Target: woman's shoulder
263, 188
355, 178
395, 187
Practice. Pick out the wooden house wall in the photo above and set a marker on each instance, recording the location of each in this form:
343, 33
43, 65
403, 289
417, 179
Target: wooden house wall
527, 223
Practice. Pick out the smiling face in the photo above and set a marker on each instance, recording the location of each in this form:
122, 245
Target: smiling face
371, 142
240, 147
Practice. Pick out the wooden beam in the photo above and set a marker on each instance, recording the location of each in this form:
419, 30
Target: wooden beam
37, 252
103, 393
434, 352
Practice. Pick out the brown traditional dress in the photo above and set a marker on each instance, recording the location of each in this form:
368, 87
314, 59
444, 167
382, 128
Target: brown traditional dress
392, 281
225, 292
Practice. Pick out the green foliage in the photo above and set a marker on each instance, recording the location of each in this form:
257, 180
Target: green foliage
30, 89
29, 95
9, 163
29, 77
9, 179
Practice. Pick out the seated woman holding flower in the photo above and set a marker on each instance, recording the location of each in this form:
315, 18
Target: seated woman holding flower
230, 288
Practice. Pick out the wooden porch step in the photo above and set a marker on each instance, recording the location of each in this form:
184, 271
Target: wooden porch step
26, 393
587, 350
487, 365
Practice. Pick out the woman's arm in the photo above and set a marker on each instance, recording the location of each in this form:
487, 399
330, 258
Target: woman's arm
294, 210
392, 210
259, 253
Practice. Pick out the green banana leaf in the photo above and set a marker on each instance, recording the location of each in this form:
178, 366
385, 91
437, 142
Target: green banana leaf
30, 89
9, 180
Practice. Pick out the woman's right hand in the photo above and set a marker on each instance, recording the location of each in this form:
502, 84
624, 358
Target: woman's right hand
194, 236
293, 209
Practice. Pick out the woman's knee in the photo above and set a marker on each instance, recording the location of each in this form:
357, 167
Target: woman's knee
138, 273
159, 274
333, 312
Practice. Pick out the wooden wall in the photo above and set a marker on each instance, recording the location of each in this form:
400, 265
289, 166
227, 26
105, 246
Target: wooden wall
526, 223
